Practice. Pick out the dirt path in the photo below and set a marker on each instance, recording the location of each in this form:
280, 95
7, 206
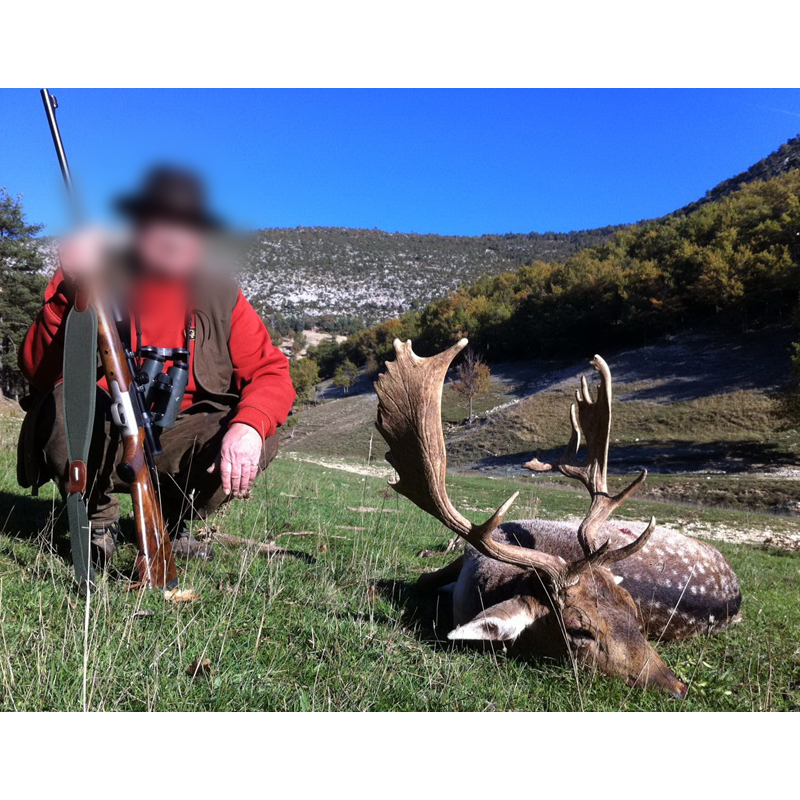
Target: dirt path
372, 471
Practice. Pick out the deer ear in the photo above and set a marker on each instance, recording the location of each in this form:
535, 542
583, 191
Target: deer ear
499, 623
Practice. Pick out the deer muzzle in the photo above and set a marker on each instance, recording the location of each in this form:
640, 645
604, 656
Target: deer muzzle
657, 675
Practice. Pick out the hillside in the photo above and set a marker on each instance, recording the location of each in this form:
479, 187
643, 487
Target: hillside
702, 412
373, 275
785, 158
367, 276
733, 263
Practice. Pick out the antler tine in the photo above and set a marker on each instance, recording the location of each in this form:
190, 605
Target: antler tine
410, 420
592, 417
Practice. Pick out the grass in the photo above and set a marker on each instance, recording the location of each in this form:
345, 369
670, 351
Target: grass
743, 417
455, 409
701, 451
728, 434
345, 631
757, 493
343, 427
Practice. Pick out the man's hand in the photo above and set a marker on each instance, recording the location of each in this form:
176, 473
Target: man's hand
238, 459
82, 254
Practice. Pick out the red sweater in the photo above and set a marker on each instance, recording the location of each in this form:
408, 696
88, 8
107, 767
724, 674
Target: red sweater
260, 370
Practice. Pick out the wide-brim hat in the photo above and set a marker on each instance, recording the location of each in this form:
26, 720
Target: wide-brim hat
170, 193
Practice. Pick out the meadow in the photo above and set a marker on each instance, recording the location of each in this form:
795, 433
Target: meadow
337, 624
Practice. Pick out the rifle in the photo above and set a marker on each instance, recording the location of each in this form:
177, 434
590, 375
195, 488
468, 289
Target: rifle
91, 315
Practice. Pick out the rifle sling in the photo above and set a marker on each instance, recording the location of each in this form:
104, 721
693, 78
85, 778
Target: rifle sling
80, 391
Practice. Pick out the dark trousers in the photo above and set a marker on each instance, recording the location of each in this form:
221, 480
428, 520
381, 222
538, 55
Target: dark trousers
190, 448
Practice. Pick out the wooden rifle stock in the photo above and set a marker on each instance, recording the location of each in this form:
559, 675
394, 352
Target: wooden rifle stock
155, 562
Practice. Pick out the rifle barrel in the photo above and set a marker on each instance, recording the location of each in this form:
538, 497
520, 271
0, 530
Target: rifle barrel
50, 106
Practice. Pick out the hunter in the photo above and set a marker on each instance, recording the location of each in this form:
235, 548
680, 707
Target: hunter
239, 390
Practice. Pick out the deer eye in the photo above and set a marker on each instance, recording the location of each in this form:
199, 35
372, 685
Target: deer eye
580, 633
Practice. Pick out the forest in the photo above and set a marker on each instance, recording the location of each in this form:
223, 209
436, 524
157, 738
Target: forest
734, 261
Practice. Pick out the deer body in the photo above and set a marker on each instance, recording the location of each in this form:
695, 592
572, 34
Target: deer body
591, 594
680, 586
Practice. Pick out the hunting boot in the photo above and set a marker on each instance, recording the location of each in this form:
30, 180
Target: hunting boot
104, 541
186, 547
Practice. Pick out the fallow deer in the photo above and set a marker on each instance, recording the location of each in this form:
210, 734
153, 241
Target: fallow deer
542, 587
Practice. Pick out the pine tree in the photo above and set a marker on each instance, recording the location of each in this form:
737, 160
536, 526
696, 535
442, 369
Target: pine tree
21, 287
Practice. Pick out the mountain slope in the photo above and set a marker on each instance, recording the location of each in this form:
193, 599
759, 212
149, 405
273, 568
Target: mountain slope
733, 263
785, 158
374, 275
702, 412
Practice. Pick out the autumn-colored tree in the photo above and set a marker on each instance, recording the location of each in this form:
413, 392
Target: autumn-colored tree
473, 378
371, 366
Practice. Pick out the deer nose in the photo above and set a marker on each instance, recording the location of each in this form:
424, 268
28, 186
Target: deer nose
679, 692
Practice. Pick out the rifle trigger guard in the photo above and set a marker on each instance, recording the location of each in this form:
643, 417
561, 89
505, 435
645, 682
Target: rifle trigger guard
122, 411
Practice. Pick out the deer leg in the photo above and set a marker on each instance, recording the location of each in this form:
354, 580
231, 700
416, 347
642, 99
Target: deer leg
430, 581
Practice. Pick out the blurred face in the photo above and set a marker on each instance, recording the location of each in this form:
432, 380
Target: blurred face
169, 249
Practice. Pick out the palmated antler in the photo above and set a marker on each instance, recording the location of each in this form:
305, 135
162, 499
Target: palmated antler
410, 420
592, 418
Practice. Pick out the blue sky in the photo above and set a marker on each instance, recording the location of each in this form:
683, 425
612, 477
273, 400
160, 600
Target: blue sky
429, 161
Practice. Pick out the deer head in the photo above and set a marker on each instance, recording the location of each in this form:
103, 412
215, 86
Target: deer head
557, 608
